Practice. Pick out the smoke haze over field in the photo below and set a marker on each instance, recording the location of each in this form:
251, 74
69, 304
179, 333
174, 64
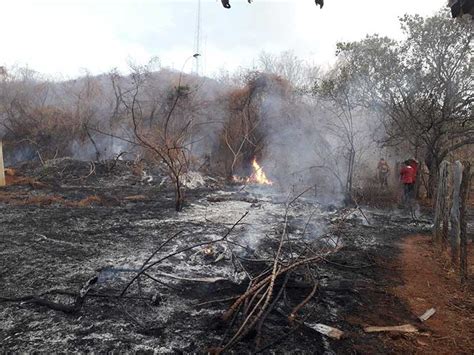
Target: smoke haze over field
83, 119
307, 125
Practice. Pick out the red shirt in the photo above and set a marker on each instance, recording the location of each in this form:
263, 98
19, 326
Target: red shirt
408, 174
414, 165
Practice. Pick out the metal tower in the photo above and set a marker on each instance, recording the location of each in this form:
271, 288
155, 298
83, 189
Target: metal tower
197, 40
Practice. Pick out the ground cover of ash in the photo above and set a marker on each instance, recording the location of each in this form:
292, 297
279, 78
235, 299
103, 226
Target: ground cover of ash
72, 222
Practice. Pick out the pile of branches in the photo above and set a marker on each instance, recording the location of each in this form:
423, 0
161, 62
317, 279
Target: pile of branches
266, 291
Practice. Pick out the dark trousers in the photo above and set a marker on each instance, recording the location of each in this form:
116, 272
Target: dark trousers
383, 179
408, 192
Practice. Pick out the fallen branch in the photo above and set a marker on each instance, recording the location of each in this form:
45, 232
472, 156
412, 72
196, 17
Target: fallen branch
292, 316
216, 301
405, 328
195, 279
330, 332
73, 308
269, 310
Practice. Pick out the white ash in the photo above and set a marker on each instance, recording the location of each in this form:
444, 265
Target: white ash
193, 180
262, 222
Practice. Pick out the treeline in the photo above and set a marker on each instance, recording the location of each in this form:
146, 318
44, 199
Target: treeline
409, 98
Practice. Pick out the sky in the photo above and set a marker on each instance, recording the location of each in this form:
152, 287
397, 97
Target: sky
66, 38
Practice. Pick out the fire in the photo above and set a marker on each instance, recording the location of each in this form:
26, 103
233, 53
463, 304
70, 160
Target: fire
258, 176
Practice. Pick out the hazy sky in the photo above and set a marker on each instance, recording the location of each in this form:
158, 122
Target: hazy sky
64, 37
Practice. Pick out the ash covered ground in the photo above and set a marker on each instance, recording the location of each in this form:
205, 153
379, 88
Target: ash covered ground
76, 220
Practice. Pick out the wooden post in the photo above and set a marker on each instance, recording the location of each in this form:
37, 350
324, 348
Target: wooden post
464, 196
2, 167
441, 199
454, 216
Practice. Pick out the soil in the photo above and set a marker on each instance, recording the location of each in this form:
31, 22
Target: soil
430, 281
420, 278
64, 223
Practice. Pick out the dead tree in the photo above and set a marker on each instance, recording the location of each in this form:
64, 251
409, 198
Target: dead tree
165, 139
464, 195
338, 94
454, 218
243, 135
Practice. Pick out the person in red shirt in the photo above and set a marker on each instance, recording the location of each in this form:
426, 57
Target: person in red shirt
408, 179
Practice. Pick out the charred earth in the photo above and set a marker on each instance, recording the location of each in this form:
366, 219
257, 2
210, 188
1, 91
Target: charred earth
94, 258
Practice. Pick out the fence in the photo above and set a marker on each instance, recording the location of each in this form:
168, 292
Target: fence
451, 207
2, 169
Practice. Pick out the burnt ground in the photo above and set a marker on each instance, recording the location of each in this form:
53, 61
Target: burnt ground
70, 221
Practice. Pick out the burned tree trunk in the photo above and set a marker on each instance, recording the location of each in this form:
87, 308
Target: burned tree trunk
179, 195
463, 197
440, 219
350, 172
454, 216
433, 164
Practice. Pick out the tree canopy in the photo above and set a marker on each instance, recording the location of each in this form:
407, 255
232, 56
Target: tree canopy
421, 86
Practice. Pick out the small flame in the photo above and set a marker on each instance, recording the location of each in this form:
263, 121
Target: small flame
258, 175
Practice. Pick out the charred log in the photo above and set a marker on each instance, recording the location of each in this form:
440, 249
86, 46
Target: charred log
72, 308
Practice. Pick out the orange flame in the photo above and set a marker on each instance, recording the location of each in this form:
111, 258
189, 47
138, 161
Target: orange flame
258, 175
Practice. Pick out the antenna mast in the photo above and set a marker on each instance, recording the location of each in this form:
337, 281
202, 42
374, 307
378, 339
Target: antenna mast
197, 44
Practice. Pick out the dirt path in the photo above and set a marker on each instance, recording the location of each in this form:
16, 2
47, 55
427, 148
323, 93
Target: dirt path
430, 281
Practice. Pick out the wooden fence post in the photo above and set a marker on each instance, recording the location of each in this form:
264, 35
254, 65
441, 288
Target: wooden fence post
2, 168
441, 203
454, 215
464, 196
